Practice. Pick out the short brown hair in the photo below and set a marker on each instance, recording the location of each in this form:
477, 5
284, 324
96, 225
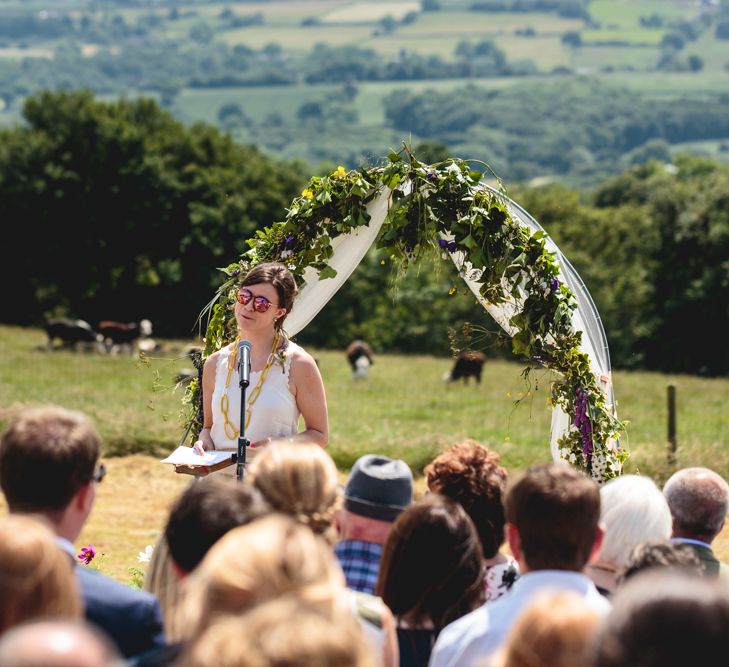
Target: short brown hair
207, 510
556, 509
471, 475
281, 278
46, 455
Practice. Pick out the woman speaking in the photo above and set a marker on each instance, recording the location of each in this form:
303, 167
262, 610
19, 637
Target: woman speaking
284, 382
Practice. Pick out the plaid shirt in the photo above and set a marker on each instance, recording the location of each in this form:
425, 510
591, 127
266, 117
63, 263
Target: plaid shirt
360, 562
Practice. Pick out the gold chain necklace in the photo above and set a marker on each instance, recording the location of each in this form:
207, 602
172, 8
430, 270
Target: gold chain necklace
230, 431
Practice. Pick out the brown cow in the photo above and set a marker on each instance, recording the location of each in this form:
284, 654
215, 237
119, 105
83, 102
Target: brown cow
469, 363
120, 336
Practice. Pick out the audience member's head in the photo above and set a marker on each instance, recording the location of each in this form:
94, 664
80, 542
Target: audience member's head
378, 489
281, 633
265, 559
554, 630
471, 475
650, 555
301, 480
59, 643
699, 501
431, 571
633, 510
36, 576
663, 618
204, 512
47, 455
553, 514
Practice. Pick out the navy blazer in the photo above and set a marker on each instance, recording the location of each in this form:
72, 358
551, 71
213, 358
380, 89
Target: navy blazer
132, 618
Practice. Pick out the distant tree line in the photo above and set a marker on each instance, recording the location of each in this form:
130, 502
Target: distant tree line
572, 126
566, 8
167, 67
120, 212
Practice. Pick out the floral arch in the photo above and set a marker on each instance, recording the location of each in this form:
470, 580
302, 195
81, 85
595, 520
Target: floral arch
504, 256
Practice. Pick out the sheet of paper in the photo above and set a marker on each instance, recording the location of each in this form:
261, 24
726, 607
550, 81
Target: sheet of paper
187, 456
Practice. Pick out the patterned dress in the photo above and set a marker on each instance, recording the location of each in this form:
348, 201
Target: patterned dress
499, 578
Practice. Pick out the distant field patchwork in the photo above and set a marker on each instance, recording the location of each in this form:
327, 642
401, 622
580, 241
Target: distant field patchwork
369, 12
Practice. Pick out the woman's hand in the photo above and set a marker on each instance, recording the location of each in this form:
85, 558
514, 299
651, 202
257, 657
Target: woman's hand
204, 442
261, 443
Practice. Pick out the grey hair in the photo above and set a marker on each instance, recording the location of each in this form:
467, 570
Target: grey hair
699, 501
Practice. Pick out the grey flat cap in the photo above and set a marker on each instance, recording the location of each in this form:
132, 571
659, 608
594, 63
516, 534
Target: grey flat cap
378, 487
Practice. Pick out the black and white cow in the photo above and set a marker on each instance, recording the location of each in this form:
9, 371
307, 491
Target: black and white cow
72, 334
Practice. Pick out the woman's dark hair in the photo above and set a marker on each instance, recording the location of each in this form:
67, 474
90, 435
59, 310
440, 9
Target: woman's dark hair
281, 278
470, 474
431, 569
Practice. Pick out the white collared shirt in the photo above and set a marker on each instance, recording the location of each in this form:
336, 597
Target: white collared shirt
478, 634
66, 546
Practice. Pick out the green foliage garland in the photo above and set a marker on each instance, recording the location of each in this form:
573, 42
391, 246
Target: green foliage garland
441, 208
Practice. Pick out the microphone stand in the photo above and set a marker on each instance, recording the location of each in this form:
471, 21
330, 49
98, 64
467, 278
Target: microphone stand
242, 441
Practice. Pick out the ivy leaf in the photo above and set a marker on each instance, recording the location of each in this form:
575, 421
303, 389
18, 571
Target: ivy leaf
323, 196
469, 242
327, 272
392, 181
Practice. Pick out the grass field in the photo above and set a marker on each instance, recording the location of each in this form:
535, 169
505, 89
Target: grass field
403, 409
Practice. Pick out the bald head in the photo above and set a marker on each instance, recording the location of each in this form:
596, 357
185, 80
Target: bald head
699, 501
57, 644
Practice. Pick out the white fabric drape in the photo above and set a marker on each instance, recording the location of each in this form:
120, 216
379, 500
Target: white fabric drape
349, 249
585, 317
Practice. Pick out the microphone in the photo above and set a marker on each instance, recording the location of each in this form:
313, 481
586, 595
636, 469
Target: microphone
244, 362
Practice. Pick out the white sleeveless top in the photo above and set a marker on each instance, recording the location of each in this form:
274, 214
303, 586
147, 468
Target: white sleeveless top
274, 414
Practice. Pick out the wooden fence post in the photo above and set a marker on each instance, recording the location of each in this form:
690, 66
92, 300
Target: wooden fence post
672, 443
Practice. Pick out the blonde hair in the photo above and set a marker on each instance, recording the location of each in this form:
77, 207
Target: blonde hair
280, 633
260, 561
300, 480
36, 575
553, 631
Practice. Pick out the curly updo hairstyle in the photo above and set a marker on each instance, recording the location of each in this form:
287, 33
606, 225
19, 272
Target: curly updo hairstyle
471, 474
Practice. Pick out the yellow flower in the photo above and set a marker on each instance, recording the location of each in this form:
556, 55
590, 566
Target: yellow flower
341, 172
307, 193
452, 291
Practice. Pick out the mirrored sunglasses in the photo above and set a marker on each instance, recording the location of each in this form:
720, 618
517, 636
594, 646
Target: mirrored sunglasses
260, 303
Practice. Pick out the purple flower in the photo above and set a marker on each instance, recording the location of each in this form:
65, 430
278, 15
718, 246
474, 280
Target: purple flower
432, 176
235, 273
288, 240
443, 243
87, 553
451, 246
553, 284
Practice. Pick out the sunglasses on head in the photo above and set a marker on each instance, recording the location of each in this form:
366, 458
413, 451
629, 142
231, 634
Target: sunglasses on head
99, 473
260, 303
